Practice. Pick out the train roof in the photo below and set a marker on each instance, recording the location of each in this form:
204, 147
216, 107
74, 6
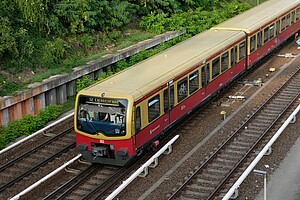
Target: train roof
251, 20
144, 77
157, 70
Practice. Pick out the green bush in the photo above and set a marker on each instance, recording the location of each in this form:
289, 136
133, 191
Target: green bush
28, 124
82, 83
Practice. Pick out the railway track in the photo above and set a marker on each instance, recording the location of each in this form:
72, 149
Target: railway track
217, 174
95, 179
23, 166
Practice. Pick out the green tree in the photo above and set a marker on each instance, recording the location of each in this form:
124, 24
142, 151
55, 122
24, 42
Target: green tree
7, 41
35, 12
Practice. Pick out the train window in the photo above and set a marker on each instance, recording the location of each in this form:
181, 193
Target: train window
298, 14
215, 67
252, 43
233, 53
272, 31
205, 75
182, 89
166, 98
259, 39
194, 82
224, 62
293, 17
282, 23
266, 35
242, 50
137, 119
277, 27
288, 20
153, 108
172, 96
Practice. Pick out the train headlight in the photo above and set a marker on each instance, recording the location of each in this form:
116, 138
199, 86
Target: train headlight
117, 131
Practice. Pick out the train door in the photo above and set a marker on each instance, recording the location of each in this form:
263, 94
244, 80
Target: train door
233, 61
168, 103
205, 77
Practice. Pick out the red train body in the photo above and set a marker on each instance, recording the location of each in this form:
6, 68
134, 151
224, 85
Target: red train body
142, 102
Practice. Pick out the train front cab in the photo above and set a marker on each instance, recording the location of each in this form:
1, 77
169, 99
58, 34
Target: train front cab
103, 129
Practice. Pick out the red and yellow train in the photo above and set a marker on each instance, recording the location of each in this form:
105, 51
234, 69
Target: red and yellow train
117, 118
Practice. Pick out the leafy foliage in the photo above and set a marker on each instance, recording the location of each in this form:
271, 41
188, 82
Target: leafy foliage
82, 83
194, 21
57, 35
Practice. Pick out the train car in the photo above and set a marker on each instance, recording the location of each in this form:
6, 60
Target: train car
118, 118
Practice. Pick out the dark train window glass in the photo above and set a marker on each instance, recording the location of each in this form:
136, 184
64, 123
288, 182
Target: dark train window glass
137, 119
298, 14
182, 89
166, 100
242, 50
277, 27
259, 39
215, 67
272, 31
233, 53
252, 43
224, 62
153, 108
172, 96
288, 20
204, 76
194, 81
266, 35
293, 17
282, 23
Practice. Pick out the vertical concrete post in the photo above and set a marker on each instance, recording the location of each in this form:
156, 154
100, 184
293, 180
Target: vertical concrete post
71, 88
50, 97
5, 116
61, 94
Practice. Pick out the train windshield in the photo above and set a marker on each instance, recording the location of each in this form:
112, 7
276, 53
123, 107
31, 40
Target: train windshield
102, 115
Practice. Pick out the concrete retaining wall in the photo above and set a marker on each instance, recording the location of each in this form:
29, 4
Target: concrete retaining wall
57, 89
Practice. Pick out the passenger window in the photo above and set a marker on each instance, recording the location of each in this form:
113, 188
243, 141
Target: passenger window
242, 50
194, 82
172, 96
272, 31
233, 52
137, 119
259, 39
277, 27
182, 89
224, 62
288, 20
266, 35
166, 101
252, 43
153, 108
297, 14
215, 67
282, 23
293, 17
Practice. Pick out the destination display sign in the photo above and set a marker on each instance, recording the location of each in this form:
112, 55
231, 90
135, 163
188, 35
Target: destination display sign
99, 100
